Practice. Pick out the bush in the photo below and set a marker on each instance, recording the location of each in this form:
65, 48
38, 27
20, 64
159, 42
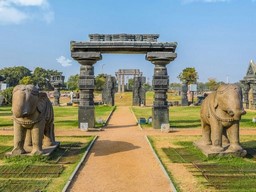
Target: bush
7, 94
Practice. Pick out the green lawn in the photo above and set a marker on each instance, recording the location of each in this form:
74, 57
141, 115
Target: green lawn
189, 117
41, 173
212, 174
64, 117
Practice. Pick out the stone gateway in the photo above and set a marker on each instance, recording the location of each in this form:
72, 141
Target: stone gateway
159, 54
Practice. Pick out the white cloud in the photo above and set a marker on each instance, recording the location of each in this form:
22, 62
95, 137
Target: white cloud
64, 61
16, 11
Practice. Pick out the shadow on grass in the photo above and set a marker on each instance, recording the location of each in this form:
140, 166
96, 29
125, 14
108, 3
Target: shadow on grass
185, 123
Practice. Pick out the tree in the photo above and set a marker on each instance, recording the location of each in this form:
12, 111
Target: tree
72, 82
14, 74
26, 80
212, 84
100, 81
189, 75
130, 84
41, 77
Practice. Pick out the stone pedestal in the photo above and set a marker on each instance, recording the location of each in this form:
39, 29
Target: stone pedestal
160, 110
86, 86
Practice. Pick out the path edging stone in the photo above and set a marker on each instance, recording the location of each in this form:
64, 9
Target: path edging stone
161, 165
71, 178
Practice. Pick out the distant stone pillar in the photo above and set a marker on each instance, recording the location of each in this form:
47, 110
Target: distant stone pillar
122, 83
246, 95
119, 82
135, 93
253, 86
56, 94
184, 94
108, 94
139, 93
160, 111
86, 86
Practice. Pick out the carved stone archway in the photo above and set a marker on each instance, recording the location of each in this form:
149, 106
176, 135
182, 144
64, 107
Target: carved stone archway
249, 85
88, 53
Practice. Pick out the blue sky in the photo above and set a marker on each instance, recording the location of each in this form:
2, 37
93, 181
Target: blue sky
217, 37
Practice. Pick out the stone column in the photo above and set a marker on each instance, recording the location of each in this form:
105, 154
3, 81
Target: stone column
122, 83
56, 94
184, 92
246, 95
160, 111
119, 82
253, 86
86, 86
135, 93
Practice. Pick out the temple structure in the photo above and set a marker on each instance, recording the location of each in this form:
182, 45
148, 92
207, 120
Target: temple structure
249, 86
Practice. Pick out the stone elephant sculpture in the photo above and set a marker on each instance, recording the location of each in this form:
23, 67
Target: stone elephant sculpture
33, 120
221, 113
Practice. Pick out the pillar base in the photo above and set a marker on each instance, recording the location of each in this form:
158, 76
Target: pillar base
160, 116
86, 115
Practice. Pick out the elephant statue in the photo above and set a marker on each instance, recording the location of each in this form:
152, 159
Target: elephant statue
221, 113
32, 119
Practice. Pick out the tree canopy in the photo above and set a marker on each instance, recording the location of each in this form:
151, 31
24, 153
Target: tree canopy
13, 75
189, 75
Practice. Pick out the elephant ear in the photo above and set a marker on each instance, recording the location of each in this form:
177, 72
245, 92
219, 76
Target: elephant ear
41, 102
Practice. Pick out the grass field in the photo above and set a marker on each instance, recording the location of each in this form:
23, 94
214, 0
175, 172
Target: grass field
40, 173
64, 117
212, 174
189, 117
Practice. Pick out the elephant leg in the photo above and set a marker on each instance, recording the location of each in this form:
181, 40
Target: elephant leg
19, 136
28, 140
37, 133
206, 133
233, 133
49, 136
225, 139
216, 136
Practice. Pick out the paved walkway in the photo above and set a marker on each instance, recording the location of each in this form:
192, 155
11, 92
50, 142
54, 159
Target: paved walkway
121, 160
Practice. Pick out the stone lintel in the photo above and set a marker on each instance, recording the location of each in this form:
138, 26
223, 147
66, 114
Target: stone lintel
127, 47
161, 56
124, 37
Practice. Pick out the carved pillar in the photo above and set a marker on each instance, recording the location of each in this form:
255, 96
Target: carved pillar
253, 86
160, 111
184, 92
246, 94
56, 94
109, 91
122, 83
119, 82
86, 86
135, 93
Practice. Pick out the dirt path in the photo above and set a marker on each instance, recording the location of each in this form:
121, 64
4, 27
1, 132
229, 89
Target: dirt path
121, 160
